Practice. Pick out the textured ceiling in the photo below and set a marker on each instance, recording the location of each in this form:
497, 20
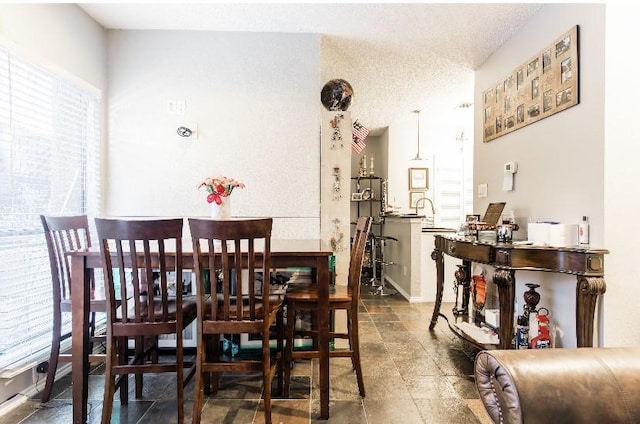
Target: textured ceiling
398, 57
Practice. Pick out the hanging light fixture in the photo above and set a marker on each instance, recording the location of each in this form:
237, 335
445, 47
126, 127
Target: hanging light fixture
417, 112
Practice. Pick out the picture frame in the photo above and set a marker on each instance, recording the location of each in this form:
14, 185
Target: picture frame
414, 196
418, 178
473, 218
545, 84
356, 197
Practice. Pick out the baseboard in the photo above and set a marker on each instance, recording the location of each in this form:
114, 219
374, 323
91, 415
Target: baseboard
27, 391
395, 285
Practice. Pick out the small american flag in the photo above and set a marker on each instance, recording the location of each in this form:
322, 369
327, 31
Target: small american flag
357, 145
359, 134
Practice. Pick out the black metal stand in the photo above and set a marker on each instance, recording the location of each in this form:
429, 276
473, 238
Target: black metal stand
381, 289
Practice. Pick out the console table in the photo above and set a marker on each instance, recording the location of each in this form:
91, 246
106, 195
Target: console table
506, 258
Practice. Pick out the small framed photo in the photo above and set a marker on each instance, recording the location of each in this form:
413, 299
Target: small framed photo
418, 178
473, 218
414, 196
356, 197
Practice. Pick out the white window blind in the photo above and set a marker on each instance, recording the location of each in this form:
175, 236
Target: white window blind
453, 185
49, 164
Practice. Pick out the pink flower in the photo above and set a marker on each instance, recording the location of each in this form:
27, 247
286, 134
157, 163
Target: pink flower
219, 187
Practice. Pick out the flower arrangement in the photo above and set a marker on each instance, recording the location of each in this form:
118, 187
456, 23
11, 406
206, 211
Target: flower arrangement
219, 187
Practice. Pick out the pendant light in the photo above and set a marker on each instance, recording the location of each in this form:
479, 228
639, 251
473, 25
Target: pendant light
417, 112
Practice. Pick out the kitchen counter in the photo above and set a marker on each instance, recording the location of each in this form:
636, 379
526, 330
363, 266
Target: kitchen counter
413, 271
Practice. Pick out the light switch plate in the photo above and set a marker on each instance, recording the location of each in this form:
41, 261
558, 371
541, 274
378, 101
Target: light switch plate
482, 190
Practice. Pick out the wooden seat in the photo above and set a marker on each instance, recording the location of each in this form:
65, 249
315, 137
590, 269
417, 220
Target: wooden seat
343, 297
239, 245
65, 234
139, 263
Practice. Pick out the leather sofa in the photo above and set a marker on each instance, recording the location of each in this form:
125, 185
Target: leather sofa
583, 385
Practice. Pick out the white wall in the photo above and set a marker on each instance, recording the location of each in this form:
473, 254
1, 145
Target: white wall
561, 165
60, 36
621, 176
254, 98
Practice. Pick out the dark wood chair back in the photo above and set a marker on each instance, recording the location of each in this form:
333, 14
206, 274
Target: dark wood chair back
64, 234
358, 247
142, 262
229, 315
235, 300
305, 298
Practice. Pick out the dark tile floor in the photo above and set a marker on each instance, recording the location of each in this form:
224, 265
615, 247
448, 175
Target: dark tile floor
411, 375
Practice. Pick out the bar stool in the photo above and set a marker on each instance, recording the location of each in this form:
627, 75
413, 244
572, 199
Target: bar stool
381, 289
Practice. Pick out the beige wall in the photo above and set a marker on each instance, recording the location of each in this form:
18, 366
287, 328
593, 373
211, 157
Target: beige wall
568, 165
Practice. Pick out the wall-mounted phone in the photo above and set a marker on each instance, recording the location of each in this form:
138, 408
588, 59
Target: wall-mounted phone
510, 168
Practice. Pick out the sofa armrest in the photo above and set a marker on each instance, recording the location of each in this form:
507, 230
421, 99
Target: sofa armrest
584, 385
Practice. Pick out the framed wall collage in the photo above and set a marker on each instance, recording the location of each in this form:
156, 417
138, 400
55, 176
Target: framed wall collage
545, 84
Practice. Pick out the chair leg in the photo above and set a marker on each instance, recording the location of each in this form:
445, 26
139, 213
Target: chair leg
110, 383
92, 330
266, 377
280, 350
179, 377
122, 359
198, 393
288, 348
206, 355
53, 362
202, 378
354, 341
214, 377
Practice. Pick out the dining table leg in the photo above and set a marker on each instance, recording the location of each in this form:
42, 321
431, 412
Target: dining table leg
323, 281
80, 300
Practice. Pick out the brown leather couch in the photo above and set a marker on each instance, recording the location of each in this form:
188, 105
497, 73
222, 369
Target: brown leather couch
556, 386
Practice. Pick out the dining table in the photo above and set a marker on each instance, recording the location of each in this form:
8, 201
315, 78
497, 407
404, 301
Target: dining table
285, 253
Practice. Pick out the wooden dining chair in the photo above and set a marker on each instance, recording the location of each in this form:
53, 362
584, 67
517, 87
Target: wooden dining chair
341, 297
235, 305
64, 234
142, 262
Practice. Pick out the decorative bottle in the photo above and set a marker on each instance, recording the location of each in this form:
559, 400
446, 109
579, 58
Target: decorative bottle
583, 231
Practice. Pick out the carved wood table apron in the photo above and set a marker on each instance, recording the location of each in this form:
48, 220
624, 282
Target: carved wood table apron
313, 253
586, 264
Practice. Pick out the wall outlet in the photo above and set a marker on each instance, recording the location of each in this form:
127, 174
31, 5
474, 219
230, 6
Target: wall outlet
42, 367
181, 106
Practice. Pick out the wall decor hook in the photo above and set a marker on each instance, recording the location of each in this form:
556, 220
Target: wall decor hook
184, 132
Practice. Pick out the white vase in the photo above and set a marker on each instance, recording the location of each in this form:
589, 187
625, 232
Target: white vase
222, 211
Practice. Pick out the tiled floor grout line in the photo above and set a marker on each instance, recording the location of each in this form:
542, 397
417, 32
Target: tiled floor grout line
439, 378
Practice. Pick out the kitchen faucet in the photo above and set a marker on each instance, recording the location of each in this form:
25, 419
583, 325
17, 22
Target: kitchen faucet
433, 210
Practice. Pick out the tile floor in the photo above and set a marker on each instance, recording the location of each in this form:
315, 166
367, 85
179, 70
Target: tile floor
411, 376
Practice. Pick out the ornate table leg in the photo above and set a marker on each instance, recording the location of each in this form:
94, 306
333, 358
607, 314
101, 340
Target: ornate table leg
587, 292
505, 280
463, 279
437, 256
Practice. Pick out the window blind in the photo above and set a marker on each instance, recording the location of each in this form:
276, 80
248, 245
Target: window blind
49, 164
453, 187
